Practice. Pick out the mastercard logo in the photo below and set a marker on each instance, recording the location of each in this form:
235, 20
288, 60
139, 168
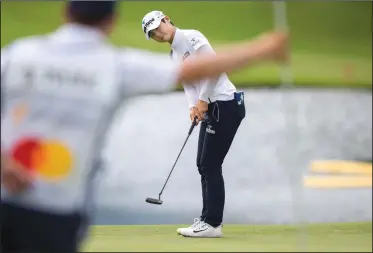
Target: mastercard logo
49, 159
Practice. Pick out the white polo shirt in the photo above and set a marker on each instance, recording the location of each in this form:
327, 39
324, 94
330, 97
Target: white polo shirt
60, 93
187, 43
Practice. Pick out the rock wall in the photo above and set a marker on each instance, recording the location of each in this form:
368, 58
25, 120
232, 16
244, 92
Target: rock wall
283, 132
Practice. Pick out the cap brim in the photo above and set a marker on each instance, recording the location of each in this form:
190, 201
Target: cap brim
152, 27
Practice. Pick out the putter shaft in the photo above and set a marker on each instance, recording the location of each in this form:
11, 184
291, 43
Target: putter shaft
189, 133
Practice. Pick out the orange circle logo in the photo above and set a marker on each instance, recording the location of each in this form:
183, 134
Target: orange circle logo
48, 158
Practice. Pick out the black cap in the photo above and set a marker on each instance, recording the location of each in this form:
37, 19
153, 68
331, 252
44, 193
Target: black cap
92, 9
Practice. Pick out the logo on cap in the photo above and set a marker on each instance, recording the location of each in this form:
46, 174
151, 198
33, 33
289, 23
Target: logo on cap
147, 24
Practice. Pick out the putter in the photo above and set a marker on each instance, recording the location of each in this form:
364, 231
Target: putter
159, 201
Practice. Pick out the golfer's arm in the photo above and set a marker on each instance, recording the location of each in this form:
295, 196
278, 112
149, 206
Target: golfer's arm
231, 59
191, 94
208, 85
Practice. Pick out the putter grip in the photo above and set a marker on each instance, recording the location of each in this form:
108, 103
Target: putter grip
193, 125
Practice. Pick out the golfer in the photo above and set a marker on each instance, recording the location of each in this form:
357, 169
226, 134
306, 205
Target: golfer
60, 92
218, 106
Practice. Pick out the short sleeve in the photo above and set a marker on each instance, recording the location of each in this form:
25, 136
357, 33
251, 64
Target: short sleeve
197, 39
4, 62
144, 72
4, 58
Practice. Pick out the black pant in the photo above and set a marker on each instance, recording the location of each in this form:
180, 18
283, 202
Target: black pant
24, 230
215, 138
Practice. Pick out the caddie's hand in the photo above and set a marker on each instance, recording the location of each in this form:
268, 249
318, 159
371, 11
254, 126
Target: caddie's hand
195, 113
276, 44
13, 176
202, 107
283, 54
281, 46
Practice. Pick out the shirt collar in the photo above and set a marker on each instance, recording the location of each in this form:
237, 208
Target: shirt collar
77, 33
177, 38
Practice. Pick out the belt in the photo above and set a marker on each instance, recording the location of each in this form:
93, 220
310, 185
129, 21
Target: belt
221, 98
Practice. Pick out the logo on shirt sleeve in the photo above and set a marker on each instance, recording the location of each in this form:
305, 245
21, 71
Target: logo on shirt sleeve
195, 41
186, 55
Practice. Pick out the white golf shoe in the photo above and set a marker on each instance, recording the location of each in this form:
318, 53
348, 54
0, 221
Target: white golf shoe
197, 221
203, 230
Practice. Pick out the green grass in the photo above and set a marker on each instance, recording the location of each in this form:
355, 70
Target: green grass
339, 237
331, 41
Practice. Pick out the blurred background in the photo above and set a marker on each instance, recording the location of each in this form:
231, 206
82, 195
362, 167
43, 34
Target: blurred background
322, 125
331, 40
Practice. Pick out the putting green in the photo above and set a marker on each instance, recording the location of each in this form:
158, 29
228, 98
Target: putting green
331, 41
340, 237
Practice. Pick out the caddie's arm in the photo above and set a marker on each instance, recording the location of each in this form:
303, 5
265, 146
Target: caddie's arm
267, 47
147, 72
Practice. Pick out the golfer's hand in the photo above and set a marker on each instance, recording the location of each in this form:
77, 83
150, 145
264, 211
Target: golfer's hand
195, 113
202, 107
13, 176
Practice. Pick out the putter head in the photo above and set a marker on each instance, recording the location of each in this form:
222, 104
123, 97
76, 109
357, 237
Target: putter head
154, 201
